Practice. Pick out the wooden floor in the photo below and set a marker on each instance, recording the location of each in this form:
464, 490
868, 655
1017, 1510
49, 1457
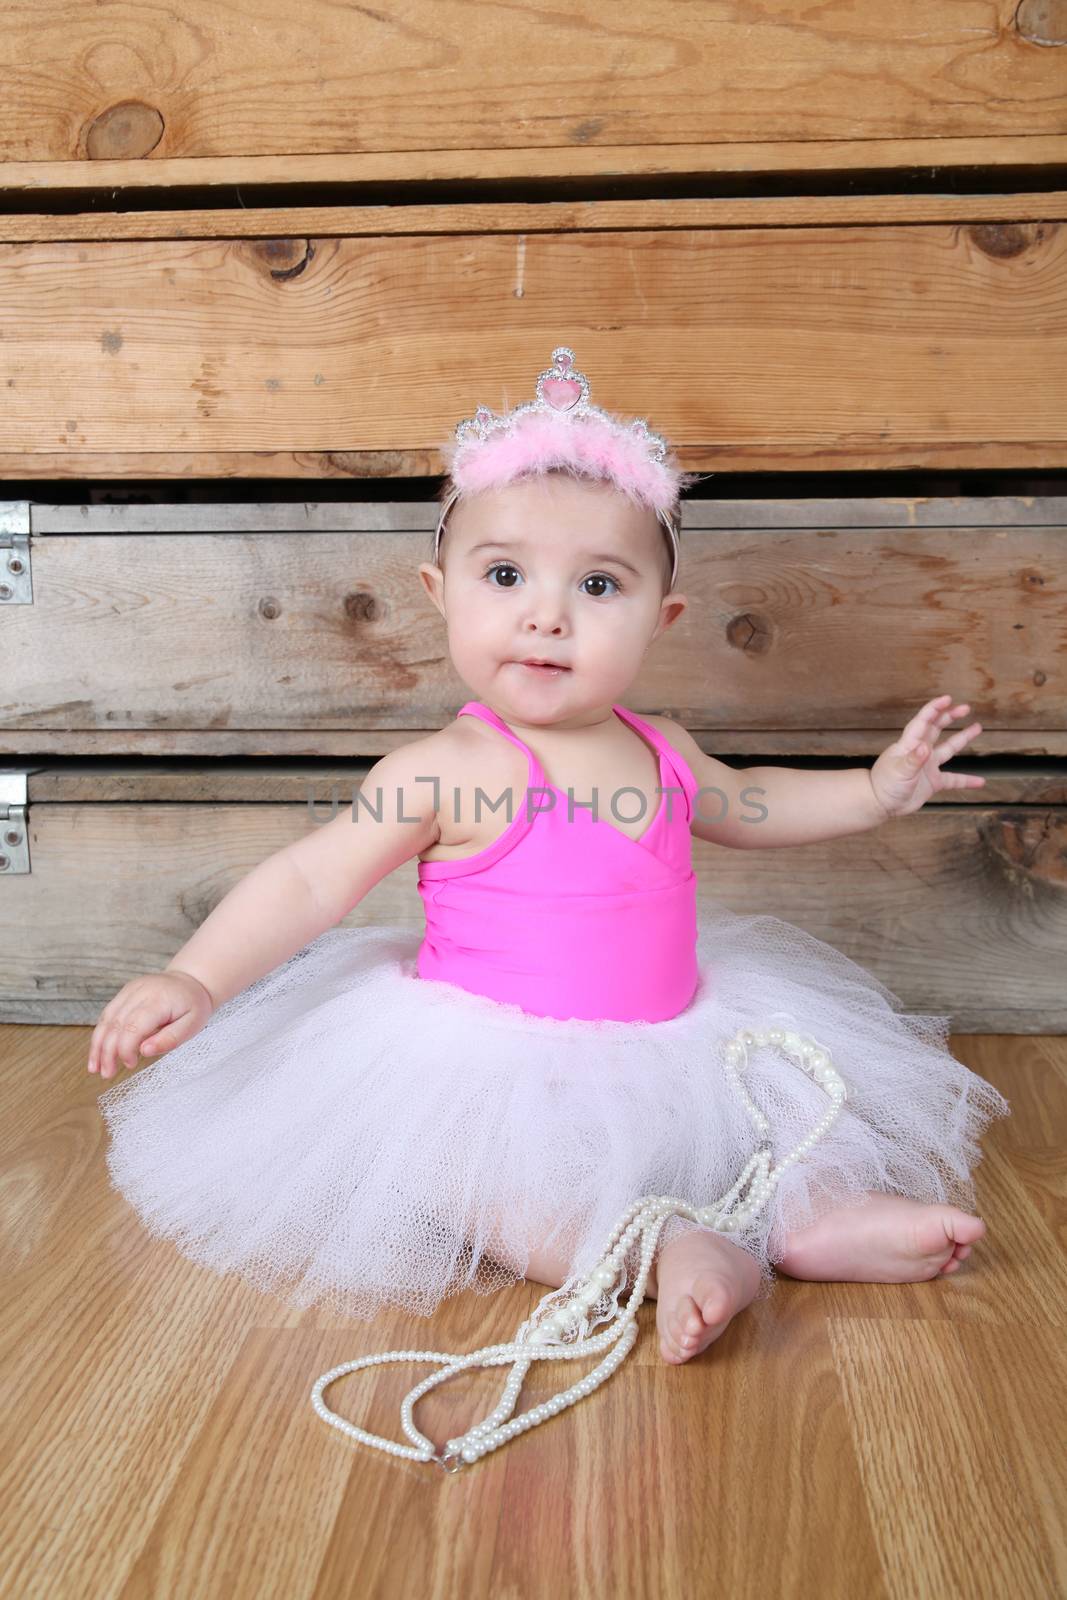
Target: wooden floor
853, 1440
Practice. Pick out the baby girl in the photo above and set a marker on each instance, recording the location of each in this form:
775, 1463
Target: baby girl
371, 1115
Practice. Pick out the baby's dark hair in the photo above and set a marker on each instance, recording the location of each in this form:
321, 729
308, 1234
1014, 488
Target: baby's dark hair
447, 488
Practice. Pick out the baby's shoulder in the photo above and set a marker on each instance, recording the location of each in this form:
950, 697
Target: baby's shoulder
463, 752
711, 774
463, 757
464, 738
678, 738
436, 754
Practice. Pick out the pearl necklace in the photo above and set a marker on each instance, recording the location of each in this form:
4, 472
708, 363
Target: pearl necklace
569, 1310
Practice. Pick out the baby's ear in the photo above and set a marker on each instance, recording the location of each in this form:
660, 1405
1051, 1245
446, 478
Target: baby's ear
673, 606
433, 581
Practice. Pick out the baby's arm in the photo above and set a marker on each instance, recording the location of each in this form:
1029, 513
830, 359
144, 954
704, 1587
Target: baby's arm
770, 807
305, 888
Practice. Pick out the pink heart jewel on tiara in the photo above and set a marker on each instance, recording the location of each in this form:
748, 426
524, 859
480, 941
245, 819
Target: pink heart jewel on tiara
562, 394
561, 387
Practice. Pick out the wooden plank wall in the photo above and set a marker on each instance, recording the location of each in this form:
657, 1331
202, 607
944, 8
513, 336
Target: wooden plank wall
827, 347
437, 88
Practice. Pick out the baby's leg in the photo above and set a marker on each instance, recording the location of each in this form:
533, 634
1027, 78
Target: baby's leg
886, 1239
549, 1266
704, 1278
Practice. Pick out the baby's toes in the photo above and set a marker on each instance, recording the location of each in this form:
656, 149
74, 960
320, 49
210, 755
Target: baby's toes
688, 1323
960, 1253
940, 1231
670, 1348
963, 1229
680, 1330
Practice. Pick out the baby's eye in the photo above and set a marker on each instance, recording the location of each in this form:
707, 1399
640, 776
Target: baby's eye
501, 566
602, 577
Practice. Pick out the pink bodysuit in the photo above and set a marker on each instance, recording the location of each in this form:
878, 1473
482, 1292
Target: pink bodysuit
571, 917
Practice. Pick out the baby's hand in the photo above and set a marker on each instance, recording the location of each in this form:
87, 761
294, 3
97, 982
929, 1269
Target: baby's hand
909, 771
148, 1015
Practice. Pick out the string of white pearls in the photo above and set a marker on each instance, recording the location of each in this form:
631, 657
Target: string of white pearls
559, 1329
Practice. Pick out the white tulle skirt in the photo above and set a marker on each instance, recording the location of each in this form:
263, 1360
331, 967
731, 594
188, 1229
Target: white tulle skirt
344, 1132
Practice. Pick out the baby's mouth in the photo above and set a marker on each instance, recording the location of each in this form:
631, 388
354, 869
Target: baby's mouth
546, 669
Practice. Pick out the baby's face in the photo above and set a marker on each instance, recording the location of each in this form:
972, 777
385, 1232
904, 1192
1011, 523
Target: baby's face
567, 570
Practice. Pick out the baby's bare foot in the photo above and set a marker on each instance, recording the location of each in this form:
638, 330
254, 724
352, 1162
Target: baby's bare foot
887, 1239
700, 1280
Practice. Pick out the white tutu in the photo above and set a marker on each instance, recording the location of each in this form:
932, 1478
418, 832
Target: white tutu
344, 1132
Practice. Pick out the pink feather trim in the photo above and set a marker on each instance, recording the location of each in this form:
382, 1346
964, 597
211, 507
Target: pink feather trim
537, 442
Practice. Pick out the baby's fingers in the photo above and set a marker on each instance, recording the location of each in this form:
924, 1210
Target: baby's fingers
121, 1043
961, 780
99, 1035
167, 1037
94, 1043
956, 741
928, 722
923, 722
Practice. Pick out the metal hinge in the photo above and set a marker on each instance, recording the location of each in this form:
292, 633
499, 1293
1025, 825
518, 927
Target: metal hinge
14, 835
16, 579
